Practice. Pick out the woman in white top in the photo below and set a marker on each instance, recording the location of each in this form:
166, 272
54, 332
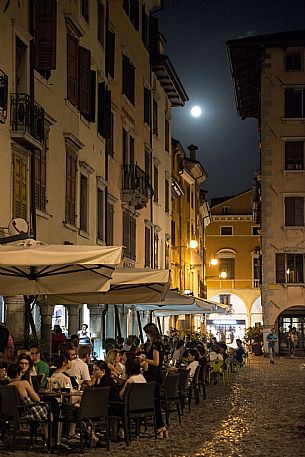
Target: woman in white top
60, 378
133, 371
193, 358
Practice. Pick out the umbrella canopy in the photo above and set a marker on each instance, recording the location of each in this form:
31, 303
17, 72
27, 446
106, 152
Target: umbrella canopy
127, 286
175, 304
34, 268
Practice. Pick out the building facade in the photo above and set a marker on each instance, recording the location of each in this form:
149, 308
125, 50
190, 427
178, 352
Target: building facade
233, 266
269, 79
86, 94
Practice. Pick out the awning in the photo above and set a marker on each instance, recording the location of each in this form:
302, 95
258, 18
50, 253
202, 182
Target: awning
34, 268
127, 286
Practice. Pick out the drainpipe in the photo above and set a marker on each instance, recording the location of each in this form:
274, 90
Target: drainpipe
32, 97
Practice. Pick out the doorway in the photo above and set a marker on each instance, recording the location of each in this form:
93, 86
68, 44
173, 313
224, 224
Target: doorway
285, 323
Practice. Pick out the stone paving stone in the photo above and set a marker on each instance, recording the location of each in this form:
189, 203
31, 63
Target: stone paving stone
261, 413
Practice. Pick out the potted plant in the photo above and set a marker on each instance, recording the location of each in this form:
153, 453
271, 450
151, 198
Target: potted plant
254, 337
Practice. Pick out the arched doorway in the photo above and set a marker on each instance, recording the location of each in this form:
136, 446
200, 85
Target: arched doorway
289, 318
231, 325
257, 312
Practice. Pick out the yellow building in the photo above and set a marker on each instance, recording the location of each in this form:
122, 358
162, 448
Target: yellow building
233, 266
86, 94
268, 73
190, 216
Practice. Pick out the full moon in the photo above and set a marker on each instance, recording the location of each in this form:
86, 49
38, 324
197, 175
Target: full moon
196, 111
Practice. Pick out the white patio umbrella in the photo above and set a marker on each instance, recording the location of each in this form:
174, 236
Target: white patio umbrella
34, 268
127, 286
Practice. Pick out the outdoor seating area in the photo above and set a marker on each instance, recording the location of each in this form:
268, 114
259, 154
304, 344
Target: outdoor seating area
96, 413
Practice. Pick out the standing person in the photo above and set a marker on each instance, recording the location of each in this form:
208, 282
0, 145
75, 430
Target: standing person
153, 364
84, 335
292, 338
271, 339
41, 367
57, 338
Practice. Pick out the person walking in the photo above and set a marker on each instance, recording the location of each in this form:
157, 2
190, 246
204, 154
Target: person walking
292, 338
271, 339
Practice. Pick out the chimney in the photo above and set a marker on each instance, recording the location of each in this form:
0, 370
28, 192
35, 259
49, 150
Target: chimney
193, 151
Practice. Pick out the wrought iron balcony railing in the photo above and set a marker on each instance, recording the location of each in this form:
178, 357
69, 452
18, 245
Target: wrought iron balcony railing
136, 186
3, 94
27, 116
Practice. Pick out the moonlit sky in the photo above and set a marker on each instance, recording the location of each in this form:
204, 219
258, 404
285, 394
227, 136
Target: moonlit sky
196, 32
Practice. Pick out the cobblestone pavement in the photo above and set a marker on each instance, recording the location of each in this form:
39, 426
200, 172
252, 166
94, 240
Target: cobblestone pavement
260, 413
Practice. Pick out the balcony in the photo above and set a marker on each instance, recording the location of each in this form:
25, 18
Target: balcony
136, 189
3, 96
27, 121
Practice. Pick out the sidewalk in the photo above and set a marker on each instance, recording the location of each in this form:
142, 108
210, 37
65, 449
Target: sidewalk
261, 413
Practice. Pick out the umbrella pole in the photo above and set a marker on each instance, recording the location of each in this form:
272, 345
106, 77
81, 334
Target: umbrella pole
159, 325
140, 327
117, 322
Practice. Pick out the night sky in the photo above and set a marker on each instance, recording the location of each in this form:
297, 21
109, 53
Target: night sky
196, 32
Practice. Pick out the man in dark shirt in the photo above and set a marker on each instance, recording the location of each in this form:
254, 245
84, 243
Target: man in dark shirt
239, 352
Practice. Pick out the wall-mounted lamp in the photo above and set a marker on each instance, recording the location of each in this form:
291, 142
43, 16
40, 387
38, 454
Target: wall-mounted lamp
193, 244
214, 262
223, 275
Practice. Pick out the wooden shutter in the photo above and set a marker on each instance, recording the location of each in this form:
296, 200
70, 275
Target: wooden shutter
40, 179
84, 78
280, 268
147, 106
166, 135
71, 164
133, 233
166, 195
104, 111
45, 34
126, 234
72, 76
156, 184
101, 22
83, 209
110, 53
92, 97
147, 246
20, 188
100, 214
110, 212
299, 211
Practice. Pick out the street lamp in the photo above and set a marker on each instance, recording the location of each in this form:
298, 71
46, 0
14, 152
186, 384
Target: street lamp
213, 262
223, 275
193, 244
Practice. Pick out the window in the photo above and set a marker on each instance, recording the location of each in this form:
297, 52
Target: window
145, 27
20, 189
84, 80
147, 261
110, 140
129, 235
129, 79
255, 230
166, 193
85, 9
131, 8
294, 103
226, 230
83, 203
128, 148
101, 22
167, 252
225, 299
100, 214
45, 36
148, 163
294, 211
227, 209
110, 53
256, 268
156, 250
71, 164
294, 155
293, 60
227, 265
173, 232
40, 178
156, 184
155, 117
289, 268
110, 218
166, 145
147, 106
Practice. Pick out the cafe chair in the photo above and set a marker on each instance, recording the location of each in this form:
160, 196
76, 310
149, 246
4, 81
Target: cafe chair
170, 396
11, 414
215, 371
184, 375
202, 379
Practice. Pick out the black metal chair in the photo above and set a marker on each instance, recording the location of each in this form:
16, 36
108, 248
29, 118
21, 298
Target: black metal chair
183, 387
94, 407
202, 379
170, 395
12, 414
194, 387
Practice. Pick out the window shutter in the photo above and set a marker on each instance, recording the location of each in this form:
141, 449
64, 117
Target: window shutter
110, 212
72, 92
101, 22
166, 195
133, 238
84, 78
126, 234
147, 246
104, 111
289, 211
147, 106
20, 188
71, 163
299, 211
92, 96
45, 34
280, 268
110, 53
100, 214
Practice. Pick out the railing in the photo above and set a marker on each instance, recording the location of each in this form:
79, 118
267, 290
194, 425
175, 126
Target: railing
27, 116
135, 179
217, 283
3, 93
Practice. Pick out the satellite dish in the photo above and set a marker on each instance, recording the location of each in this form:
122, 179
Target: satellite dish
18, 226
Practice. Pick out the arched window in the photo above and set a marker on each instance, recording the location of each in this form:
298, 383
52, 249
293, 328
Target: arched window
227, 263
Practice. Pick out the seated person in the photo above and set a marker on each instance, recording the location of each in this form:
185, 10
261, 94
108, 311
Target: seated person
239, 352
215, 354
113, 360
133, 372
28, 372
193, 358
178, 352
41, 367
